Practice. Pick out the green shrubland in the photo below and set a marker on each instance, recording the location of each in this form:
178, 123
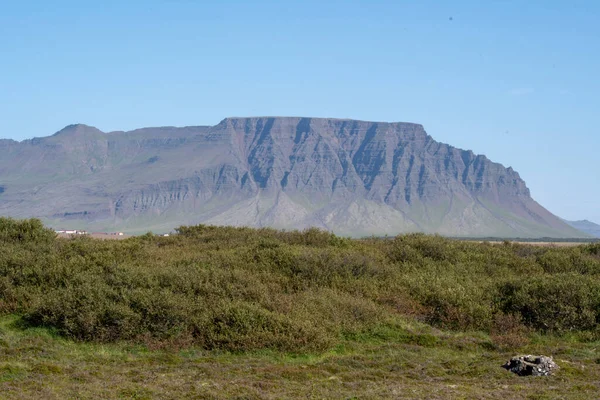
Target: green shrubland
241, 289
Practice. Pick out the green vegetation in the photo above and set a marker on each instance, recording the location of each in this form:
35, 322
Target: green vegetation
222, 310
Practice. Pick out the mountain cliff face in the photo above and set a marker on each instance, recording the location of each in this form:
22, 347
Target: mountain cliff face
353, 177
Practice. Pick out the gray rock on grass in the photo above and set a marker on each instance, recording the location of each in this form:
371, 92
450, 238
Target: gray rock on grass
528, 365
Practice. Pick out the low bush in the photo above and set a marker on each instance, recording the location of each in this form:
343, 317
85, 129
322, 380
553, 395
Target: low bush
556, 303
239, 288
27, 231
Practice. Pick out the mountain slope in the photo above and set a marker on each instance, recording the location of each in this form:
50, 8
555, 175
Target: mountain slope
352, 177
586, 226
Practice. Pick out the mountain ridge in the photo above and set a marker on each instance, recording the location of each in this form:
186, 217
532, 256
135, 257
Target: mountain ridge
350, 176
589, 227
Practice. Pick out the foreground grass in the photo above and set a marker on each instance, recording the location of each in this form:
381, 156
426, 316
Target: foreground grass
412, 361
244, 313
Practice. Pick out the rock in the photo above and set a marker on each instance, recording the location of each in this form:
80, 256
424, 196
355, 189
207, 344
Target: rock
531, 365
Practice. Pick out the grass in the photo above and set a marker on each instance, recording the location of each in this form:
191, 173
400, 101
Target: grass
243, 313
385, 364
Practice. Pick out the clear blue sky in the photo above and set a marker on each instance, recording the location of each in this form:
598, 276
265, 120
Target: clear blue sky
514, 80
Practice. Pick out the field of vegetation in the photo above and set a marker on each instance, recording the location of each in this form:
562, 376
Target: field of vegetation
219, 312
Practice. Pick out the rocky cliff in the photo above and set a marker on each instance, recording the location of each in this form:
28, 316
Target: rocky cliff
353, 177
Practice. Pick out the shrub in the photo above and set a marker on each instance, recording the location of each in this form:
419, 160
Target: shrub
239, 326
240, 289
557, 303
508, 331
24, 231
414, 246
593, 249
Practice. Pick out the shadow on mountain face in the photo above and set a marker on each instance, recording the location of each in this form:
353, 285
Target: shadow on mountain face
353, 177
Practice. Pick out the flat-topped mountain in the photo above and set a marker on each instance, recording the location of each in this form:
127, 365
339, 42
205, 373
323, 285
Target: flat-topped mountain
353, 177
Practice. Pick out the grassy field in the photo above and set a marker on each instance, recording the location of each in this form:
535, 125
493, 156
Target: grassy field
408, 363
243, 313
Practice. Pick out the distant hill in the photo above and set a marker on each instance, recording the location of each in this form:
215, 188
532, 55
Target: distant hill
586, 226
352, 177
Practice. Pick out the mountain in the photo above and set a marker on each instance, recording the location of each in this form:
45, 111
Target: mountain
586, 226
353, 177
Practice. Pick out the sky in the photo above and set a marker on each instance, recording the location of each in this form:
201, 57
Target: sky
514, 80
